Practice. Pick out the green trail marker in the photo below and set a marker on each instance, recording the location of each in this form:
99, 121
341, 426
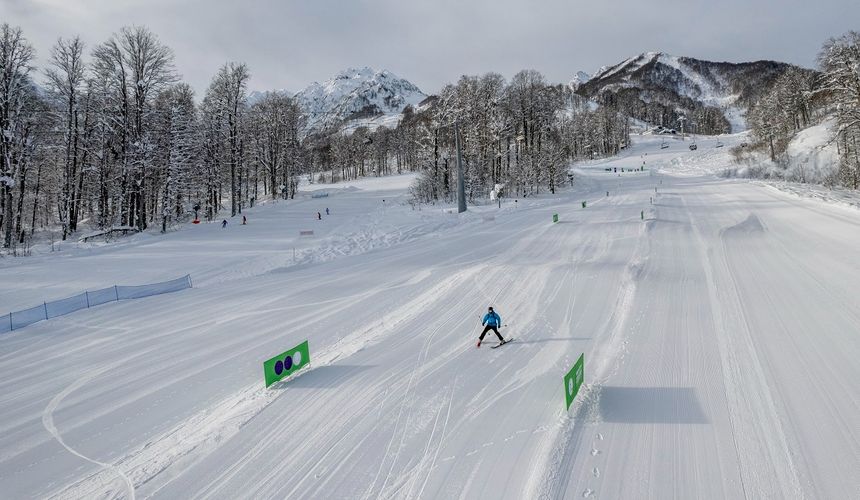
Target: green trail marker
555, 217
573, 380
287, 363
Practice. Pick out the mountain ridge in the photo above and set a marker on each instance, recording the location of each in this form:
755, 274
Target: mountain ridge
356, 94
660, 88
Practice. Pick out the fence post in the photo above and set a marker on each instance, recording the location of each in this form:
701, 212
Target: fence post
190, 283
10, 322
116, 293
88, 298
45, 305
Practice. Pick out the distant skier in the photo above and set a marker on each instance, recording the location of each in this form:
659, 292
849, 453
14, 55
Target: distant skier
319, 216
326, 211
244, 220
491, 321
224, 224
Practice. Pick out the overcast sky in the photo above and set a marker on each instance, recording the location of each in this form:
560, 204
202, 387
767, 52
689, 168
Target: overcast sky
288, 44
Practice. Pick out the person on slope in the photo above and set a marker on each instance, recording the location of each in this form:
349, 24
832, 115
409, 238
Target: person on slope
491, 321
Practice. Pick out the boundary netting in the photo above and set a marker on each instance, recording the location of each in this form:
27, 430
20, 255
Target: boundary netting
47, 310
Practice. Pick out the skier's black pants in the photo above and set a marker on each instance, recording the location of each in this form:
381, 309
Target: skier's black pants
494, 329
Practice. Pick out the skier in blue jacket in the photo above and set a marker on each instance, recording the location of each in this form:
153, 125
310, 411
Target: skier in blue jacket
491, 321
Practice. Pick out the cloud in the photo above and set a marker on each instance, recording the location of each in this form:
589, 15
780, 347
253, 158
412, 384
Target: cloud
288, 44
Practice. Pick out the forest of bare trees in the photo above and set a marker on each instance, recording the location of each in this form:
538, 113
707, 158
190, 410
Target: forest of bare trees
110, 137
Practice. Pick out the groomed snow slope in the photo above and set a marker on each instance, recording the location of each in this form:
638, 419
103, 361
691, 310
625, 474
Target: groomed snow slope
720, 339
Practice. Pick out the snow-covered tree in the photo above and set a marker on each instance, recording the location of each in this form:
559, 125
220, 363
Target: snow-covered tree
175, 159
66, 79
274, 123
226, 103
17, 96
840, 62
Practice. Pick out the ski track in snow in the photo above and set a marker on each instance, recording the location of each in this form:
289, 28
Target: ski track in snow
48, 422
226, 419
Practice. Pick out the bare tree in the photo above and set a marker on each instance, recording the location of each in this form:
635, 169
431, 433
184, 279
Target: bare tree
65, 82
840, 61
227, 100
16, 92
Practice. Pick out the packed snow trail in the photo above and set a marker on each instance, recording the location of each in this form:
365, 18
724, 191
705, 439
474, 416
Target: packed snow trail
719, 336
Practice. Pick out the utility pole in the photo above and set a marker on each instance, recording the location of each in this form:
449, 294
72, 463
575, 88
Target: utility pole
461, 183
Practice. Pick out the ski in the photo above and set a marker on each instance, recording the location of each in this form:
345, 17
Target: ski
501, 343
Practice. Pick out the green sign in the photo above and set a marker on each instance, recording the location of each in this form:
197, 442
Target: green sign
555, 217
573, 380
285, 364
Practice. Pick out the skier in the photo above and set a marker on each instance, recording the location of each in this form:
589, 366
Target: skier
326, 211
319, 216
224, 224
244, 220
491, 321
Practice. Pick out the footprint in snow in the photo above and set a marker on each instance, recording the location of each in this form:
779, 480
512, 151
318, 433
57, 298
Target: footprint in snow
595, 472
595, 452
599, 436
588, 493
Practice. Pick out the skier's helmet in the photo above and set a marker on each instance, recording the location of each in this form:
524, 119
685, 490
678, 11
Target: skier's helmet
490, 309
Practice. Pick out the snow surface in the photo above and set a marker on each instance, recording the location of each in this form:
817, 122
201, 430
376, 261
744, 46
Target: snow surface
812, 154
720, 341
811, 157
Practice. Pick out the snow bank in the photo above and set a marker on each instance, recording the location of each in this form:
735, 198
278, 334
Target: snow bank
811, 155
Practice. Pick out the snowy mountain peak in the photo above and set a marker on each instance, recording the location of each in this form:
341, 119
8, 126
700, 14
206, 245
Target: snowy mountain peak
358, 73
356, 93
578, 79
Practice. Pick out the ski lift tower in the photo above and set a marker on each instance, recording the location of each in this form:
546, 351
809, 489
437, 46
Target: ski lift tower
682, 119
461, 184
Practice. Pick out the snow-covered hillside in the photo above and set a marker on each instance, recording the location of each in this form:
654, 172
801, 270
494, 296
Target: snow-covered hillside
811, 156
355, 94
718, 320
686, 84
